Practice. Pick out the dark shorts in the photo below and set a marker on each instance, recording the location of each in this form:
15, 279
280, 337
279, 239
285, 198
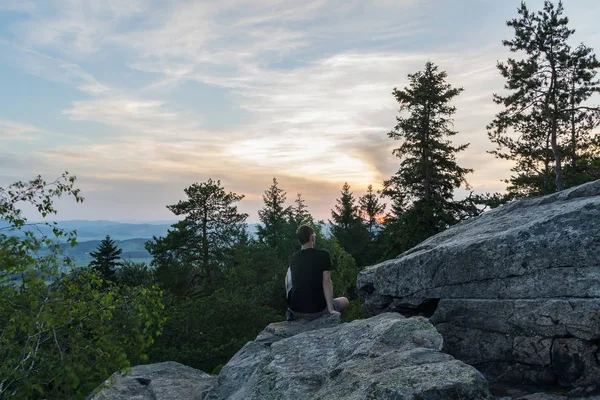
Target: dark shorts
310, 316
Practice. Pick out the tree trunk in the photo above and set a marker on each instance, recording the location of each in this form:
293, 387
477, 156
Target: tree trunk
426, 163
205, 252
557, 158
547, 165
573, 130
554, 115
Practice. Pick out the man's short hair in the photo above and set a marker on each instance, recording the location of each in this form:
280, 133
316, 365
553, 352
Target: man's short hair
304, 233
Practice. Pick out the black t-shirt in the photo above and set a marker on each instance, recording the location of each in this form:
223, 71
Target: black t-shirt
307, 268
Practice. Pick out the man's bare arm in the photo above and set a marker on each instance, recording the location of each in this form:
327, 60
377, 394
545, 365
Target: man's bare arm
328, 291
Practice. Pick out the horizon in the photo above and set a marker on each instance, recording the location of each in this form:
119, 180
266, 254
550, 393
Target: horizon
141, 99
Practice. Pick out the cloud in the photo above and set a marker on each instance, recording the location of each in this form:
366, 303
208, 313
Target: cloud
51, 68
13, 130
336, 113
26, 6
315, 78
76, 27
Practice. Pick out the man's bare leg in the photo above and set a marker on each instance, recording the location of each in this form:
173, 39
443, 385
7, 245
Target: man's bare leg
342, 303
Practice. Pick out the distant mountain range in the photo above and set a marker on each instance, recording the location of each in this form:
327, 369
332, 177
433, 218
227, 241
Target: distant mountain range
133, 250
93, 230
131, 237
97, 230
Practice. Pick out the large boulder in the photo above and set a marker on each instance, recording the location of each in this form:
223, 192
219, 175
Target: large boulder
515, 292
384, 357
162, 381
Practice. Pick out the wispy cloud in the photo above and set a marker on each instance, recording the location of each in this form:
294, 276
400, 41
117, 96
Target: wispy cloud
51, 68
76, 27
314, 77
12, 130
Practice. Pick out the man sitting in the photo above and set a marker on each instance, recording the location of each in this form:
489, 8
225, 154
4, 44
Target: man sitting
308, 281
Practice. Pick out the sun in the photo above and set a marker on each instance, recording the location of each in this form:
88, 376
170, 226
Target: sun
380, 219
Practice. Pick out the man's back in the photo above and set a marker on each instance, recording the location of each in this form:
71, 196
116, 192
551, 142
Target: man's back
307, 266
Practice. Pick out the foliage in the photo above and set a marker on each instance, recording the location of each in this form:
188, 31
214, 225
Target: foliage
546, 105
257, 265
106, 258
207, 331
176, 261
17, 254
134, 274
344, 269
60, 340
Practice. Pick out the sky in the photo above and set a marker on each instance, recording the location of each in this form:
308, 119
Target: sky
141, 98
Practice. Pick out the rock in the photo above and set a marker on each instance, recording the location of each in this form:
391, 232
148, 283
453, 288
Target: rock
281, 330
588, 392
514, 292
162, 381
542, 396
550, 396
385, 357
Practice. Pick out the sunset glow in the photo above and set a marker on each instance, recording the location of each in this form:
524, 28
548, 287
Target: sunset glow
141, 99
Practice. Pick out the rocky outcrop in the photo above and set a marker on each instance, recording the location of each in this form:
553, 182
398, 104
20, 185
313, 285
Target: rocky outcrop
282, 330
162, 381
384, 357
514, 292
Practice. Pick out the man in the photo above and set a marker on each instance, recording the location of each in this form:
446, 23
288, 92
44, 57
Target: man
308, 281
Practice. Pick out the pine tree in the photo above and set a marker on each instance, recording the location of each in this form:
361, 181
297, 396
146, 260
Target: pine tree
299, 213
545, 105
106, 258
428, 173
346, 213
198, 248
583, 147
347, 226
371, 209
390, 241
274, 215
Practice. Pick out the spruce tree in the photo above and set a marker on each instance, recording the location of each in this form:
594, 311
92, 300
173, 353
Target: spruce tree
106, 258
347, 226
345, 215
547, 88
390, 240
274, 215
299, 213
371, 209
428, 173
583, 146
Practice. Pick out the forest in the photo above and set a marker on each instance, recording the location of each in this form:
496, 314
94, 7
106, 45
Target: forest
211, 287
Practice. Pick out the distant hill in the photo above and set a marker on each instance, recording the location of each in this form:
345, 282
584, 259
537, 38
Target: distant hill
133, 249
97, 230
